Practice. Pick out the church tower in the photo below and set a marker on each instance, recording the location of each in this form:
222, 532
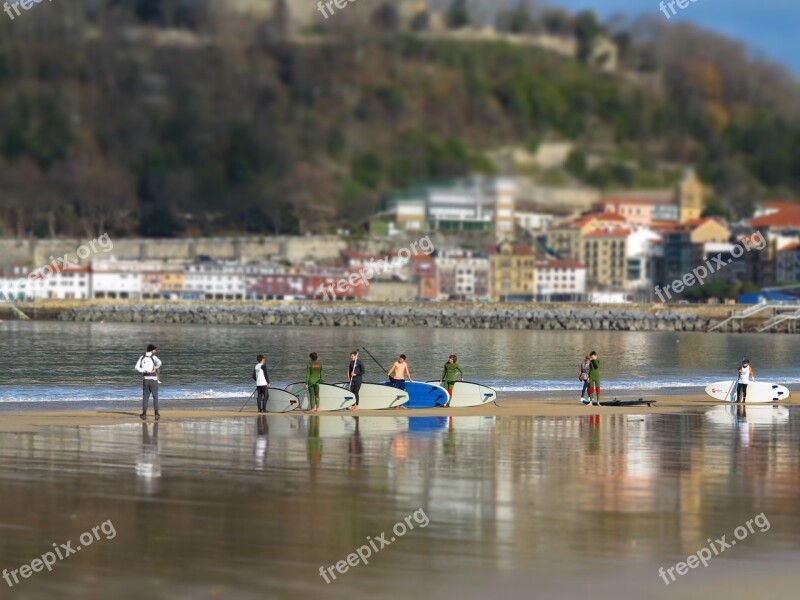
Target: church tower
690, 193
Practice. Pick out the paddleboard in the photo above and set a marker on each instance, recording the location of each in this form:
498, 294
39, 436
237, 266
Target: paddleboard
374, 396
639, 402
467, 393
281, 401
331, 397
424, 395
758, 392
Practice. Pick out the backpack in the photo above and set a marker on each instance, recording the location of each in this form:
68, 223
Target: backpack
583, 374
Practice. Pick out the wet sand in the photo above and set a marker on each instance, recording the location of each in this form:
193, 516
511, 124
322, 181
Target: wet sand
511, 404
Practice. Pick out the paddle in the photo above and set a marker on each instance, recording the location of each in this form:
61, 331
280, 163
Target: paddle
375, 359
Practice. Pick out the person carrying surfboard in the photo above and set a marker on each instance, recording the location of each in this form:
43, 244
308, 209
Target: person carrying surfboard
313, 379
594, 376
355, 373
399, 373
261, 376
746, 375
451, 367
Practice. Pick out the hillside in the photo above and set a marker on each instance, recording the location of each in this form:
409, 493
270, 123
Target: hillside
169, 120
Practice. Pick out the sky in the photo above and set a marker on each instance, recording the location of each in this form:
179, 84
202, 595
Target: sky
769, 26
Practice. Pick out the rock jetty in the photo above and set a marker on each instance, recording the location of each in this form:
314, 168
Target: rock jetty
342, 315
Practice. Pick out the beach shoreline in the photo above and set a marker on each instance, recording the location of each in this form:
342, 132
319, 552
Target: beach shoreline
519, 404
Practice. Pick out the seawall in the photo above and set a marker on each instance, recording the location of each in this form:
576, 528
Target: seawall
321, 314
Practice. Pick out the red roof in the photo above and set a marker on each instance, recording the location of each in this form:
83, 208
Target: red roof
788, 214
605, 233
559, 264
606, 216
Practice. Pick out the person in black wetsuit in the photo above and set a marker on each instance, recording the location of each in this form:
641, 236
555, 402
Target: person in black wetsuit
355, 373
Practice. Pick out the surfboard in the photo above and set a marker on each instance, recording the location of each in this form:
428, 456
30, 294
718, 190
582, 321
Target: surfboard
281, 401
639, 402
331, 397
424, 395
758, 392
467, 393
374, 396
735, 414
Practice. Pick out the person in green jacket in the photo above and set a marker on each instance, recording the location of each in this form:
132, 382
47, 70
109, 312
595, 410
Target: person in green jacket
451, 367
594, 376
313, 379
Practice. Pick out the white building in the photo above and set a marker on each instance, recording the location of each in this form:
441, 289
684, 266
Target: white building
474, 204
563, 278
46, 283
643, 248
116, 279
217, 280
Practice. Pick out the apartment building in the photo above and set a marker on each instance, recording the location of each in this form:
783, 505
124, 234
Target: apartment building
513, 273
605, 254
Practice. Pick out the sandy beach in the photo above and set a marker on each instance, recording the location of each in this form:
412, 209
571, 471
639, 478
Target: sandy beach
510, 404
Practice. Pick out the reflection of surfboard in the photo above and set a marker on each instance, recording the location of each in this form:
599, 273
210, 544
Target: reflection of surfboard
758, 392
639, 402
331, 397
427, 424
472, 423
424, 395
737, 414
374, 396
466, 393
281, 401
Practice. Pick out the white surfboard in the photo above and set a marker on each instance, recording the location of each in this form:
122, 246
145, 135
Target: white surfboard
331, 397
466, 393
281, 401
375, 396
758, 392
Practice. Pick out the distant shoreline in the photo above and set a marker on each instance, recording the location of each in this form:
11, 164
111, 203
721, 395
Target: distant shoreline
556, 316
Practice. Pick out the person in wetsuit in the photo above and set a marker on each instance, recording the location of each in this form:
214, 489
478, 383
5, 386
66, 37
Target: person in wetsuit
313, 379
451, 367
355, 373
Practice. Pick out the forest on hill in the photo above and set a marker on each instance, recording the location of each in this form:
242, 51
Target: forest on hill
136, 117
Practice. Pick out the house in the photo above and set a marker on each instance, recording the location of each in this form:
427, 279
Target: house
562, 280
116, 279
566, 240
513, 273
605, 254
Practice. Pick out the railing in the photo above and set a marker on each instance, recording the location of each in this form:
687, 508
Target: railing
761, 307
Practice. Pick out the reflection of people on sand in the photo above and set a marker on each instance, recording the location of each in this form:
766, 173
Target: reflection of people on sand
355, 449
262, 441
399, 447
314, 445
148, 467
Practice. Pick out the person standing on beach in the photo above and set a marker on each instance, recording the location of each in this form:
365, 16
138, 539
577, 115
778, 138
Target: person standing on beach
313, 379
451, 367
261, 375
583, 375
148, 365
399, 373
594, 376
355, 373
746, 375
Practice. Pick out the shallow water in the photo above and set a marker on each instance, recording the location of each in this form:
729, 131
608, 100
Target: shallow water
90, 365
516, 507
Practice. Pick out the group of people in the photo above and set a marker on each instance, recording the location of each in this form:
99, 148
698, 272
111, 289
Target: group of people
398, 374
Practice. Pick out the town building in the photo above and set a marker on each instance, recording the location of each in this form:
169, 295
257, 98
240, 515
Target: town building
513, 273
560, 280
605, 254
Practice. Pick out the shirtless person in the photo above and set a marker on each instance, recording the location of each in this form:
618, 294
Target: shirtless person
399, 373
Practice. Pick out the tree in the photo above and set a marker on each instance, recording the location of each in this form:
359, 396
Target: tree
458, 14
311, 191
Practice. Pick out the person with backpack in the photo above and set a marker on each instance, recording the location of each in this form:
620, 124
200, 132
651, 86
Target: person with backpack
313, 379
148, 365
583, 375
261, 377
355, 373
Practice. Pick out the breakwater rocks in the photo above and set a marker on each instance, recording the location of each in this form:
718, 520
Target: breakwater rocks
330, 315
